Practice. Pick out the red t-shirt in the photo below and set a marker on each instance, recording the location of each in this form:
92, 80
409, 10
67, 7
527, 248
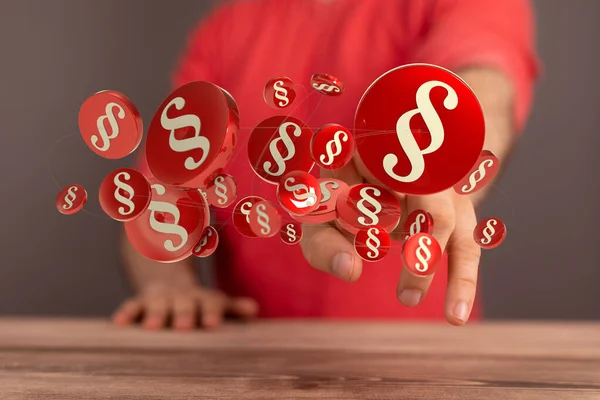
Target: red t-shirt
244, 44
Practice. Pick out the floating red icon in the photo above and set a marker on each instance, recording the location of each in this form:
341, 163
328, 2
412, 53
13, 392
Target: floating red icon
192, 135
484, 171
222, 191
279, 145
366, 205
299, 193
71, 199
422, 254
241, 215
418, 221
332, 147
265, 220
208, 243
171, 225
489, 233
372, 243
415, 140
124, 194
326, 211
327, 84
279, 92
110, 124
291, 233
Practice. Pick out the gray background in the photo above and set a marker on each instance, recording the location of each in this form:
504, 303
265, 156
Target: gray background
54, 54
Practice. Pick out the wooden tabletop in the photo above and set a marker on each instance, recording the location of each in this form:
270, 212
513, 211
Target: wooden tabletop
90, 359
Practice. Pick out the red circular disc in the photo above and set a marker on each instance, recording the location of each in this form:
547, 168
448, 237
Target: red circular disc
110, 124
326, 212
489, 233
299, 193
192, 135
366, 205
372, 243
207, 244
327, 84
241, 215
332, 147
124, 194
171, 225
291, 233
422, 254
418, 221
265, 220
222, 191
279, 92
71, 199
419, 129
279, 145
484, 171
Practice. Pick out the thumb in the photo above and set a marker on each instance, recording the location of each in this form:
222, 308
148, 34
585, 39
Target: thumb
243, 307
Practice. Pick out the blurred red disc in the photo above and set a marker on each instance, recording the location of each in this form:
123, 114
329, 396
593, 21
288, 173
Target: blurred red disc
332, 147
171, 225
241, 215
279, 145
265, 220
327, 84
110, 124
415, 140
299, 193
372, 243
291, 233
222, 191
418, 221
192, 135
326, 211
124, 194
422, 254
482, 173
489, 233
279, 92
71, 199
207, 244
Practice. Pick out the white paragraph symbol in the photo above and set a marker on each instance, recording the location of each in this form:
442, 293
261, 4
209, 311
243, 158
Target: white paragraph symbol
291, 232
423, 254
373, 243
477, 176
365, 197
415, 227
489, 231
245, 210
338, 147
263, 219
281, 93
184, 145
127, 189
203, 242
114, 126
406, 138
221, 190
325, 191
307, 199
289, 145
70, 197
323, 87
161, 227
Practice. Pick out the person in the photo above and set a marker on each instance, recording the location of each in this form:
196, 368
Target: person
244, 44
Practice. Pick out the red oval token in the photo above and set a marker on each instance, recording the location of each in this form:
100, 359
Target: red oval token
265, 220
326, 211
291, 233
484, 171
110, 124
241, 215
207, 244
332, 147
124, 194
299, 193
279, 92
222, 191
489, 233
418, 221
372, 243
422, 254
71, 199
327, 84
279, 145
415, 139
192, 135
171, 225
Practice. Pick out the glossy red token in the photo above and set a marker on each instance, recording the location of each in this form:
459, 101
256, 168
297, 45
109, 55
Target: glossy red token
326, 211
484, 171
372, 243
291, 233
71, 199
124, 194
222, 191
299, 193
327, 84
241, 215
419, 129
110, 124
422, 254
207, 244
489, 233
265, 220
332, 147
279, 145
192, 135
279, 92
171, 225
418, 221
366, 205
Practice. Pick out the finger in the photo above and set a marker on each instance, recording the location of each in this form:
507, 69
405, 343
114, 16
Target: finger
212, 307
156, 312
327, 250
128, 312
242, 307
463, 265
185, 313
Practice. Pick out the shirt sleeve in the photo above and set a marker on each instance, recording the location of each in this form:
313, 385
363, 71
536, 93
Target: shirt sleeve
497, 34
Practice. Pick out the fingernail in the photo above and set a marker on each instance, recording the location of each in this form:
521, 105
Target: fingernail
411, 297
343, 264
461, 311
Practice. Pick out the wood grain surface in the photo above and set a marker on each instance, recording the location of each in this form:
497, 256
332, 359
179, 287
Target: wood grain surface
90, 359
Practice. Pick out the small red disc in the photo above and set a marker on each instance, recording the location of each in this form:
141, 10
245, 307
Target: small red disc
265, 220
422, 254
291, 233
327, 84
489, 233
299, 193
484, 171
326, 212
207, 244
279, 92
222, 191
418, 221
71, 199
332, 147
241, 215
372, 243
124, 194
